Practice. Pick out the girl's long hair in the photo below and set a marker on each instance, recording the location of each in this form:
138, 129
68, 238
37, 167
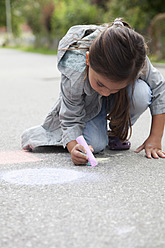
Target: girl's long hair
118, 53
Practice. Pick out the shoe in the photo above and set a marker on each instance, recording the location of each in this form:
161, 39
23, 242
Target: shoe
115, 144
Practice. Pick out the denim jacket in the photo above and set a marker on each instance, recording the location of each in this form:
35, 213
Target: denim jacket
78, 102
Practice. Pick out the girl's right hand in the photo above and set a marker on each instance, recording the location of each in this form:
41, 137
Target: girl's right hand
77, 155
76, 151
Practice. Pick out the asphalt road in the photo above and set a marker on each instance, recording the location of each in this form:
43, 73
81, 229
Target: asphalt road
46, 201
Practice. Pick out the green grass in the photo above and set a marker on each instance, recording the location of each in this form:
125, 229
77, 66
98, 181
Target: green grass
35, 50
161, 61
154, 59
39, 50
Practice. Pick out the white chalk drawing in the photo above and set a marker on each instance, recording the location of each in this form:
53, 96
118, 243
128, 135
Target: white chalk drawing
42, 176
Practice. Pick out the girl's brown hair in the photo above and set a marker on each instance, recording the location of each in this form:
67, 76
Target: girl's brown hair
118, 53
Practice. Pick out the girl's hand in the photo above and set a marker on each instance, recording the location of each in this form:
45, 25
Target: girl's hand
152, 147
77, 154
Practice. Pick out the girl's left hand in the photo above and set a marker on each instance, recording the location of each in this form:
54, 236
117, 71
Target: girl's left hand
152, 148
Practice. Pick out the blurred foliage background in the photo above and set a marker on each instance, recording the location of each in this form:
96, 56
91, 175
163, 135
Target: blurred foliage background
49, 20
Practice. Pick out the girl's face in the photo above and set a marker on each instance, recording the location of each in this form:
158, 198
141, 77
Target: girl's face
103, 85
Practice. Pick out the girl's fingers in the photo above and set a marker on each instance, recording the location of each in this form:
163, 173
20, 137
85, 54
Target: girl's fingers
80, 148
91, 148
79, 157
139, 149
148, 153
154, 154
161, 153
79, 154
79, 162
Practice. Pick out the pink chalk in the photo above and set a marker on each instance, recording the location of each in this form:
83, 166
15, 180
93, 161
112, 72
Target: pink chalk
91, 158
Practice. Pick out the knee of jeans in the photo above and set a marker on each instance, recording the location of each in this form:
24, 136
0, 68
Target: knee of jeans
141, 96
99, 146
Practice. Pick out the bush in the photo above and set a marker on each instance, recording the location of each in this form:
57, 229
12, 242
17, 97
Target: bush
70, 13
157, 33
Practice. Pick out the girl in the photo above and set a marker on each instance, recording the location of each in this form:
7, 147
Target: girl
105, 74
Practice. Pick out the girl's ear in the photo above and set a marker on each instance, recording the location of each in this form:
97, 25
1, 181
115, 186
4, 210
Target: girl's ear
87, 58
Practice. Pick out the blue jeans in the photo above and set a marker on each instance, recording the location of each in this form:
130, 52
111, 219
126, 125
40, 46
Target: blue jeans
95, 131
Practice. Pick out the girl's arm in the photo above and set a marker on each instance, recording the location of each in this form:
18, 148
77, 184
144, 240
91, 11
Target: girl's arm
71, 115
72, 110
152, 145
156, 81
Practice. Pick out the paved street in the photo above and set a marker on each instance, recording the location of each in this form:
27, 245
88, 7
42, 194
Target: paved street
46, 201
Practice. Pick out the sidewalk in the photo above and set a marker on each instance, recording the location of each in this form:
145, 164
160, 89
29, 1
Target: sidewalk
46, 201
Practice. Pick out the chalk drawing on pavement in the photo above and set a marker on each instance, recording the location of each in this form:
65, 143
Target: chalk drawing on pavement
41, 176
14, 157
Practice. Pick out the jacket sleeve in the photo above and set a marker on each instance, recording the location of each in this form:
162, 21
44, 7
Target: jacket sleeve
157, 84
72, 109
